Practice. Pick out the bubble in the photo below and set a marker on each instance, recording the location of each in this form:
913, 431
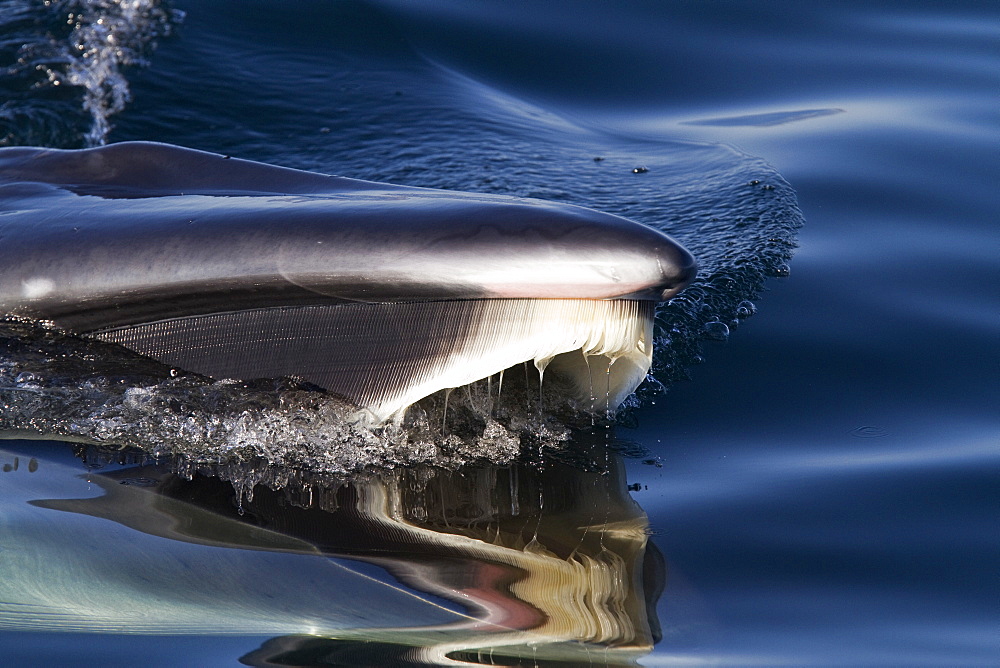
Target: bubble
716, 330
781, 271
745, 309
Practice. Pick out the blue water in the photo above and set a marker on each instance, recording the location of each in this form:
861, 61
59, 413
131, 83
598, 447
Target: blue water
824, 487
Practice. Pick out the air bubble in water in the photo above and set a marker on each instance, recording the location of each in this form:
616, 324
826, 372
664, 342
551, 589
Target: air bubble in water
26, 377
717, 331
745, 309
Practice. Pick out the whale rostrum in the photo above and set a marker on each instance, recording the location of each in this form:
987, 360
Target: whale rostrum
378, 293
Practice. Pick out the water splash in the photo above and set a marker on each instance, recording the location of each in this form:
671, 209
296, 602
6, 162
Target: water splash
54, 384
63, 66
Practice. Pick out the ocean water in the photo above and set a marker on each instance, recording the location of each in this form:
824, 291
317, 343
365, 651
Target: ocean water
813, 485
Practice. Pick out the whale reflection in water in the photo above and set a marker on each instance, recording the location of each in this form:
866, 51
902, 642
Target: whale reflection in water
380, 294
553, 567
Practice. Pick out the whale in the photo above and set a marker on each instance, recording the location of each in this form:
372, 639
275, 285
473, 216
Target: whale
380, 294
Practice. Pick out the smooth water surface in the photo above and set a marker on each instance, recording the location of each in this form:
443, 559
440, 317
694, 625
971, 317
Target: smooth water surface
821, 491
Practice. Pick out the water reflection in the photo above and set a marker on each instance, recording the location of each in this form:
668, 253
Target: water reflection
542, 563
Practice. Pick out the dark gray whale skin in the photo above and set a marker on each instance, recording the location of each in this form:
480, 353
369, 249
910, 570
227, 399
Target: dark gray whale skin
138, 232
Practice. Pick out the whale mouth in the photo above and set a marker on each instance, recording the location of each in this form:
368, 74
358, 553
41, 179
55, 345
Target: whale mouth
384, 357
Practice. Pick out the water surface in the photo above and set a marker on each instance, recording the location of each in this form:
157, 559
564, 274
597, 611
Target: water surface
818, 489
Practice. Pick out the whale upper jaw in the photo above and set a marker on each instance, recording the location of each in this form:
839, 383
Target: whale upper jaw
195, 258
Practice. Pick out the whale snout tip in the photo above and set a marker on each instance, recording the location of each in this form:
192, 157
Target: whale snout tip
678, 269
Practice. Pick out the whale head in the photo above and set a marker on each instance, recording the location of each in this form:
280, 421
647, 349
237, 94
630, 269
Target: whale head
380, 293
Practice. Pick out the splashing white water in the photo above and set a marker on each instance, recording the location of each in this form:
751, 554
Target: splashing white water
107, 37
